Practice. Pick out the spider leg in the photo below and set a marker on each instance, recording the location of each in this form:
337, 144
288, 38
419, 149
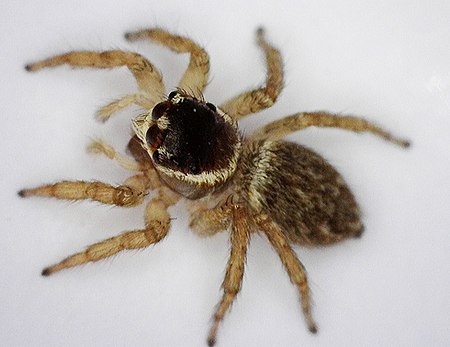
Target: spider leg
101, 147
106, 111
131, 193
240, 238
264, 97
282, 127
293, 266
209, 221
195, 78
148, 78
157, 223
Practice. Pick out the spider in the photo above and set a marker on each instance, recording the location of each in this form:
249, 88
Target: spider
186, 148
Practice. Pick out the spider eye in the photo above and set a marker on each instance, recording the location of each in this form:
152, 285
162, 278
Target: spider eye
172, 94
194, 168
154, 137
156, 157
176, 161
211, 107
160, 109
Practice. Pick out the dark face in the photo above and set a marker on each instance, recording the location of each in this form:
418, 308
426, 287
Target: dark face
190, 136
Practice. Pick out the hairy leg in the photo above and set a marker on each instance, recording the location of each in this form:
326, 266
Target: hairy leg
293, 266
131, 193
264, 97
147, 76
209, 221
282, 127
141, 99
157, 223
240, 238
101, 147
195, 78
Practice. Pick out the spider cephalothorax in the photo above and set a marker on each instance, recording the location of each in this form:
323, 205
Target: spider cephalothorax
193, 144
185, 147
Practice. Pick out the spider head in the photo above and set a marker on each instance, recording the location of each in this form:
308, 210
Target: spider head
194, 145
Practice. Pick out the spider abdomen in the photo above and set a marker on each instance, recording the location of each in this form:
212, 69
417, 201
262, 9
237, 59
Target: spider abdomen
300, 191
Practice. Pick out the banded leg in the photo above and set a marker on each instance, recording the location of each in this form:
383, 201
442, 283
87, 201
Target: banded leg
196, 76
282, 127
147, 76
157, 223
264, 97
131, 193
240, 238
293, 266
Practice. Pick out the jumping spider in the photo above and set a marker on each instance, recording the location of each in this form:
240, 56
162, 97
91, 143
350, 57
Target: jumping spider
187, 148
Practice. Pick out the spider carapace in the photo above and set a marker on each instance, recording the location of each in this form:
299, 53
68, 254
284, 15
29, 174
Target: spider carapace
187, 148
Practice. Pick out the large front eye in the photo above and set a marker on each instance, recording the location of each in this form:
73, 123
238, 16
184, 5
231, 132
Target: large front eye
160, 109
154, 137
173, 94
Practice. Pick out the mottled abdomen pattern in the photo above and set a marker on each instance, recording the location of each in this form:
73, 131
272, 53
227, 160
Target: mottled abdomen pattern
300, 191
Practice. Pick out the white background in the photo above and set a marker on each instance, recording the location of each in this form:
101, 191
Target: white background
386, 60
